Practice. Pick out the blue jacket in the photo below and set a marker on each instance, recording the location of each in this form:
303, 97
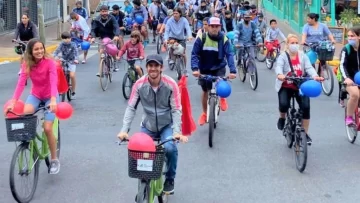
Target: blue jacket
212, 56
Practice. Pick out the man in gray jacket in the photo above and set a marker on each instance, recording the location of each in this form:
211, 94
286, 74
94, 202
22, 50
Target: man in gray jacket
160, 97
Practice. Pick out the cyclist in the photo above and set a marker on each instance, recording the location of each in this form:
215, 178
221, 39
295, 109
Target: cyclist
273, 32
205, 27
174, 30
202, 12
119, 17
79, 9
158, 13
349, 66
128, 7
169, 15
170, 4
299, 65
208, 57
69, 52
222, 4
229, 22
261, 24
41, 69
26, 29
79, 24
104, 26
162, 118
185, 9
247, 33
315, 31
134, 49
140, 10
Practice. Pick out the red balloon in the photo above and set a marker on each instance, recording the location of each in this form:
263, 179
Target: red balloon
141, 142
64, 110
18, 108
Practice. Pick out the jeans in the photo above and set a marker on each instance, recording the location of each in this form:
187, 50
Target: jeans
171, 151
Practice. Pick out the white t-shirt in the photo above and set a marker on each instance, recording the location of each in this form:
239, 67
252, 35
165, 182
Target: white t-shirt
81, 24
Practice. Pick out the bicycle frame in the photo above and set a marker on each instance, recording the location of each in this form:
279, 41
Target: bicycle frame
212, 95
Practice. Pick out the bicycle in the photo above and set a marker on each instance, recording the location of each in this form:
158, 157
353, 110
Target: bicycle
20, 49
245, 61
323, 55
107, 64
159, 42
179, 63
352, 130
23, 129
213, 105
273, 52
150, 182
131, 75
293, 130
65, 64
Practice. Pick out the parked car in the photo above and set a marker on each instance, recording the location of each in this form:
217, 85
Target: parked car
110, 5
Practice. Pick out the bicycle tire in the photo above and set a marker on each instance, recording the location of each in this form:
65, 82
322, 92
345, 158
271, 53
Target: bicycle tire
211, 120
253, 74
58, 147
126, 77
331, 77
263, 57
178, 68
300, 139
158, 44
103, 75
23, 146
241, 72
69, 92
63, 97
143, 193
287, 132
351, 130
111, 66
271, 62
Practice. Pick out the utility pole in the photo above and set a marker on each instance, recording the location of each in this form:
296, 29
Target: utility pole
41, 21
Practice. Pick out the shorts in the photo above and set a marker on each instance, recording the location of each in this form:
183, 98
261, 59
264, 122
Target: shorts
207, 85
72, 68
35, 102
181, 42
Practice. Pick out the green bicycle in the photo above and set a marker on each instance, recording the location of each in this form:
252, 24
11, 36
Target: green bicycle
151, 182
130, 77
23, 129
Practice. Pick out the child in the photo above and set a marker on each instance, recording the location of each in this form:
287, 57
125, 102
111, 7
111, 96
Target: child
273, 32
261, 24
69, 52
134, 49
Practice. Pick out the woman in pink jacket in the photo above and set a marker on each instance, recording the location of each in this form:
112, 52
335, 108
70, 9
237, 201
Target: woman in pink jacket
41, 69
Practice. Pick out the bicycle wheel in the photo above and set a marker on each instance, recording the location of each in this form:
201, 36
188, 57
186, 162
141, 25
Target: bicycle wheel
126, 79
111, 67
259, 51
158, 44
69, 92
241, 71
143, 193
253, 74
178, 67
328, 84
300, 149
211, 120
104, 79
351, 130
269, 60
287, 132
24, 172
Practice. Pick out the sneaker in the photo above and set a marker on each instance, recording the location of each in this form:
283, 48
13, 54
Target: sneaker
281, 124
223, 104
154, 40
54, 166
349, 120
342, 103
169, 185
83, 61
202, 119
73, 95
171, 61
309, 140
98, 74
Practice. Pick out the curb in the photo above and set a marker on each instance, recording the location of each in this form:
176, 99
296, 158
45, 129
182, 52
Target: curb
4, 60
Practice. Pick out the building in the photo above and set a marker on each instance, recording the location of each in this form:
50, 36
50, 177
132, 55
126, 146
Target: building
294, 12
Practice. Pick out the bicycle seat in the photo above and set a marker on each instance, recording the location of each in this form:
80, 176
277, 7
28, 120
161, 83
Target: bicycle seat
42, 104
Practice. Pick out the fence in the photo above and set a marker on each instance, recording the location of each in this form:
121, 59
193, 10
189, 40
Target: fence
29, 7
50, 9
8, 18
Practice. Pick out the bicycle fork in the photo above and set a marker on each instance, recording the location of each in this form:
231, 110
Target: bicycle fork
216, 109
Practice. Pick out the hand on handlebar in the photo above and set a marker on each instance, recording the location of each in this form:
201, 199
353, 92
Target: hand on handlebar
196, 73
9, 108
317, 78
182, 138
92, 40
122, 136
348, 81
232, 76
281, 77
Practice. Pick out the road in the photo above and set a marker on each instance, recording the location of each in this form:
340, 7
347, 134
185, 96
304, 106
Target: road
249, 162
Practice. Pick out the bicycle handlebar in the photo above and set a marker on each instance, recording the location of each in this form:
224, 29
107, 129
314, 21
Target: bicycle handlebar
160, 144
212, 78
30, 114
20, 42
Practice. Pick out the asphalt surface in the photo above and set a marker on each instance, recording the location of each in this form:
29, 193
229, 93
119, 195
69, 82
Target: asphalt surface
249, 162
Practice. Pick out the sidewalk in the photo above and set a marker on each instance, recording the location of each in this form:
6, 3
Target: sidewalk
286, 29
7, 47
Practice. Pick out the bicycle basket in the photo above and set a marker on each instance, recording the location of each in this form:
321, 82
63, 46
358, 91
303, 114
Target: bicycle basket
325, 52
21, 129
146, 165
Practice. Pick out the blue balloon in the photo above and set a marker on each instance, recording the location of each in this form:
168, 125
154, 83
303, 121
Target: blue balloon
312, 56
223, 89
311, 88
85, 45
231, 35
357, 78
139, 20
128, 21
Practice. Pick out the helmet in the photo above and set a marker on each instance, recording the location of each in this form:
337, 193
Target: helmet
19, 49
223, 89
